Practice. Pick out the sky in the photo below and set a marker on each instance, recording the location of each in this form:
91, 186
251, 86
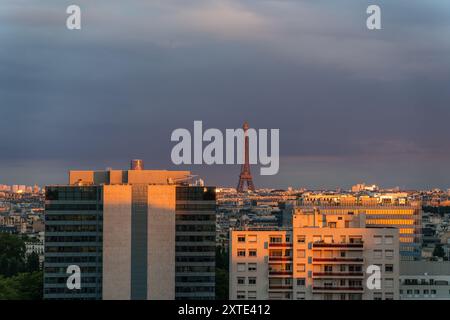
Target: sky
352, 105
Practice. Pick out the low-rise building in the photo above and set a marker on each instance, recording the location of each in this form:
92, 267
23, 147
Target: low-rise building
425, 280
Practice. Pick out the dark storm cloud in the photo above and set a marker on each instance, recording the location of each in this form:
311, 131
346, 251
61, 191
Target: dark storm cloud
351, 104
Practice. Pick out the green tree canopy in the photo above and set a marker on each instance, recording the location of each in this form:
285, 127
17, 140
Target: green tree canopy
24, 286
12, 255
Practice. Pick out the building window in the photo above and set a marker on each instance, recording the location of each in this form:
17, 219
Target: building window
252, 267
355, 239
389, 296
252, 281
241, 280
426, 291
300, 268
240, 295
252, 253
389, 254
301, 295
377, 296
377, 239
252, 238
301, 239
251, 295
331, 224
389, 240
276, 239
377, 254
389, 283
433, 291
275, 253
241, 267
241, 253
301, 281
301, 253
317, 239
389, 268
241, 238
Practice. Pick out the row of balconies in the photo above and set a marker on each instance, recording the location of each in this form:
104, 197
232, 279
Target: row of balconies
337, 289
358, 245
338, 274
338, 260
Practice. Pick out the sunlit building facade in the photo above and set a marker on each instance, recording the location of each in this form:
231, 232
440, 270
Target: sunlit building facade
320, 258
136, 235
381, 210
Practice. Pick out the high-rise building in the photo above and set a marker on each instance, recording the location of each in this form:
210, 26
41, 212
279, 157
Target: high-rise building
382, 210
135, 234
321, 257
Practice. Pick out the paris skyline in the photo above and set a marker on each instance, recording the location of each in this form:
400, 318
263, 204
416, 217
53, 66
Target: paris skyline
352, 105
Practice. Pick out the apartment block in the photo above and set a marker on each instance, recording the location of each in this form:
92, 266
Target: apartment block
321, 257
135, 234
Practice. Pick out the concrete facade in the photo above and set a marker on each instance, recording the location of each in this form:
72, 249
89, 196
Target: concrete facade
116, 242
139, 234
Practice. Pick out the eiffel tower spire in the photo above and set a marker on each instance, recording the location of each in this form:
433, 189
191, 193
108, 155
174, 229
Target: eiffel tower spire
245, 176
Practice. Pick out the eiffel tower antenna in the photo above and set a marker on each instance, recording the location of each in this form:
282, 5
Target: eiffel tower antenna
245, 176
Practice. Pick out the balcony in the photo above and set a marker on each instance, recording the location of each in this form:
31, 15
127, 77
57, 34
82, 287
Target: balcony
337, 289
338, 274
358, 245
280, 245
338, 260
280, 287
280, 259
280, 273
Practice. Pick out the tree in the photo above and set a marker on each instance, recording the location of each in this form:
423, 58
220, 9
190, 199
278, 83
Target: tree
24, 286
12, 255
222, 274
33, 264
439, 251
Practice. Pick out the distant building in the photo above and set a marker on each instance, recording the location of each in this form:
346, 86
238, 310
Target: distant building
136, 234
384, 210
322, 257
8, 229
424, 280
363, 187
36, 247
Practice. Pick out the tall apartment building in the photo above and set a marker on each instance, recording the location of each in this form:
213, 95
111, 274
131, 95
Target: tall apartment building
383, 210
321, 257
135, 234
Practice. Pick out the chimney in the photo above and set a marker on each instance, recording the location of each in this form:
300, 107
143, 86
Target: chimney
137, 164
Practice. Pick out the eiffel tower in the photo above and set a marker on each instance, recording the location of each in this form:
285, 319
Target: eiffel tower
245, 176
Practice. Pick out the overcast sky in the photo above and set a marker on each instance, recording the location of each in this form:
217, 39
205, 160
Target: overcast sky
352, 105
